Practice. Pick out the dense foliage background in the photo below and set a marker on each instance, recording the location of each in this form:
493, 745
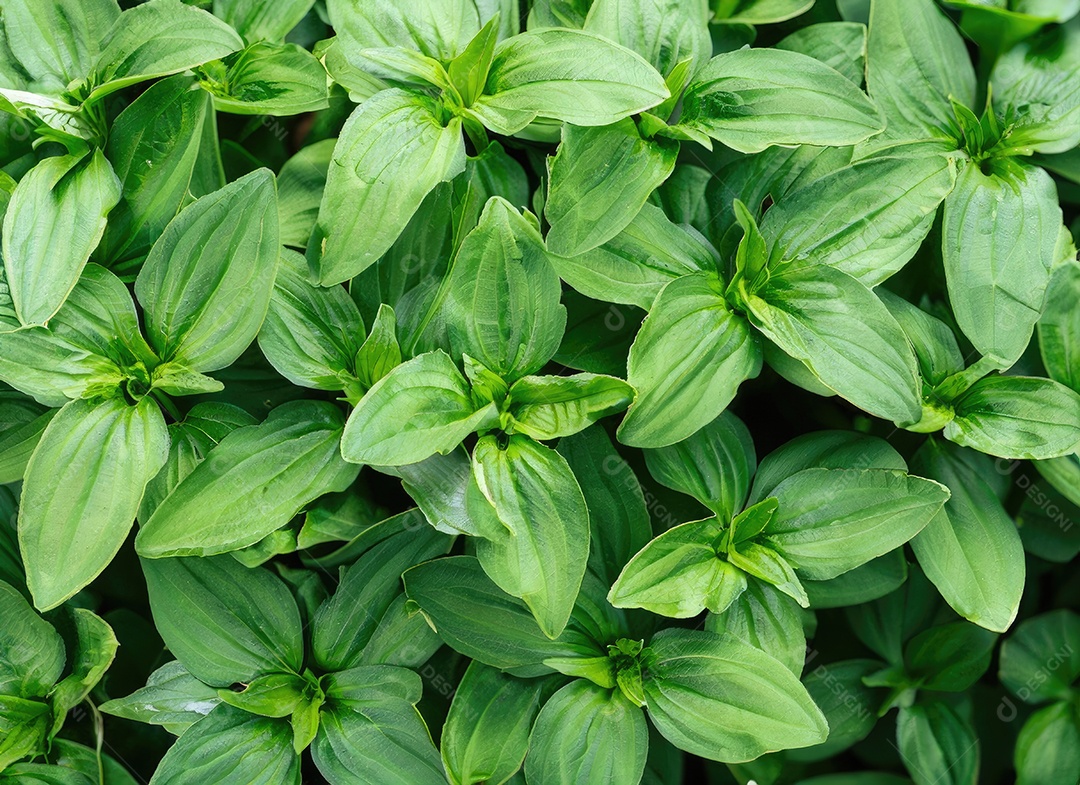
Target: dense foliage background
574, 391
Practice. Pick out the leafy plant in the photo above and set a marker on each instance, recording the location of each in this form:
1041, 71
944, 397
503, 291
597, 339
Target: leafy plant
382, 386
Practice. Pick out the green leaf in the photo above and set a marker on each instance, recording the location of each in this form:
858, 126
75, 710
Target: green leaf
714, 465
1059, 327
17, 444
171, 697
1035, 86
262, 20
420, 408
1017, 417
94, 650
680, 573
935, 344
346, 622
937, 745
663, 33
1040, 661
300, 188
252, 483
191, 440
159, 38
55, 220
764, 563
840, 45
23, 724
618, 517
267, 79
747, 99
55, 42
311, 335
393, 150
599, 180
86, 445
153, 147
758, 12
949, 657
586, 734
867, 219
468, 71
687, 362
440, 29
767, 619
31, 652
473, 616
502, 306
541, 557
227, 741
273, 695
224, 622
1048, 748
550, 407
638, 262
849, 706
871, 581
999, 235
916, 63
823, 450
486, 734
380, 352
206, 284
971, 549
568, 75
869, 511
722, 699
841, 331
387, 743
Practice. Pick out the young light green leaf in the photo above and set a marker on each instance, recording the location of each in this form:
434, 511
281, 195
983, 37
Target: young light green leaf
87, 445
251, 484
589, 736
841, 331
687, 362
267, 79
745, 100
159, 38
95, 647
971, 549
872, 511
541, 557
55, 220
1017, 417
393, 150
680, 573
599, 180
224, 622
206, 284
999, 234
440, 29
725, 700
420, 408
568, 75
550, 407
